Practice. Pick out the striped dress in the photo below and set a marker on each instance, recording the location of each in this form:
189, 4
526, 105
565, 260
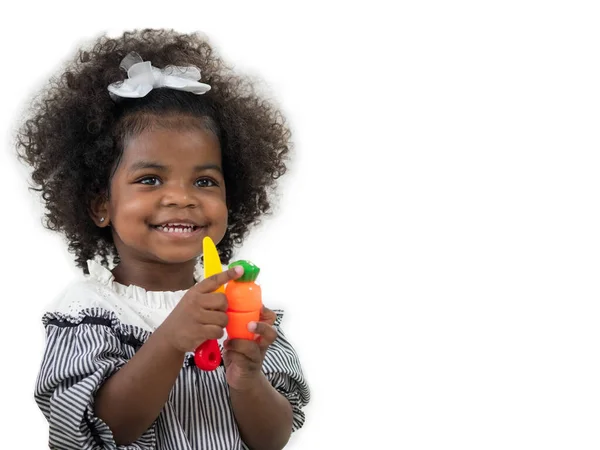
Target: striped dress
95, 326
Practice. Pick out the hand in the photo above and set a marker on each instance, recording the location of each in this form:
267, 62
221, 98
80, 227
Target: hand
243, 358
200, 314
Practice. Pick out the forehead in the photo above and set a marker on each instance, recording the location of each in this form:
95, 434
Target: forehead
172, 145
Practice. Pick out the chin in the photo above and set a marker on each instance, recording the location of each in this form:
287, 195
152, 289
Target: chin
180, 259
176, 257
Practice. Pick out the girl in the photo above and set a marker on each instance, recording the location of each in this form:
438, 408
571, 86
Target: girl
137, 160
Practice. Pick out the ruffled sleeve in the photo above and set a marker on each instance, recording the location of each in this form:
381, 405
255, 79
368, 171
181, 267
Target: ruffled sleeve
80, 354
282, 368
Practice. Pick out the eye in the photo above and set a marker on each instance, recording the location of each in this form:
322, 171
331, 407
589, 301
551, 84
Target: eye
206, 182
149, 181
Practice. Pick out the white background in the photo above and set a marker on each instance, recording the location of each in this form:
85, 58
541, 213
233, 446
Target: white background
443, 208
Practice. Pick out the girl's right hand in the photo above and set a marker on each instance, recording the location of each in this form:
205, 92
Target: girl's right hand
200, 314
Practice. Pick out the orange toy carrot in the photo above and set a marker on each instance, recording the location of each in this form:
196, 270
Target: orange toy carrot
244, 301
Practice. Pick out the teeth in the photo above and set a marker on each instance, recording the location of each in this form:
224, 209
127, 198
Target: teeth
185, 225
171, 229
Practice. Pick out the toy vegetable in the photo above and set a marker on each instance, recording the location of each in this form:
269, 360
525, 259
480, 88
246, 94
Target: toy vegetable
244, 301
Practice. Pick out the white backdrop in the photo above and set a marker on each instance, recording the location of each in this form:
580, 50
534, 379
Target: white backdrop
446, 177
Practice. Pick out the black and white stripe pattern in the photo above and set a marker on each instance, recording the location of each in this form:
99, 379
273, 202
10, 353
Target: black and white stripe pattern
82, 352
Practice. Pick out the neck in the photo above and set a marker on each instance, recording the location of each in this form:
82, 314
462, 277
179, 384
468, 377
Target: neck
156, 276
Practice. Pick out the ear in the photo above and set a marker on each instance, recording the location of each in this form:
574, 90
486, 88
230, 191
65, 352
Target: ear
99, 211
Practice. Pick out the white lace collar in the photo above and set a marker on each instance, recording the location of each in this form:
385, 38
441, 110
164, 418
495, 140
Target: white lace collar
154, 299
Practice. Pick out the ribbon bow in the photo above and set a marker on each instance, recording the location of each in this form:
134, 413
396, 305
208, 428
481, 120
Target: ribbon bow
143, 77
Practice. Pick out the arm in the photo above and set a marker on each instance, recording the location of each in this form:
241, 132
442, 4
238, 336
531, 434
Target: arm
80, 355
130, 401
264, 416
266, 385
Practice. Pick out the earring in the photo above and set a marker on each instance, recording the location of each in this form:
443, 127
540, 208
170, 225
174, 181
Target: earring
101, 219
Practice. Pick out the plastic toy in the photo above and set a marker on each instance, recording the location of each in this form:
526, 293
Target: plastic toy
244, 299
208, 355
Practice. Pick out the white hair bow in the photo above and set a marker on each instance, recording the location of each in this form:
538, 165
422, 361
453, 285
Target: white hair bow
143, 77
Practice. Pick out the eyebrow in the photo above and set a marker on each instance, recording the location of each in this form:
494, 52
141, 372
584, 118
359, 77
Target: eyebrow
145, 165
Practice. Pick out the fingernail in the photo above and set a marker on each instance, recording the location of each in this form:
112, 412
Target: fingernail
239, 270
252, 327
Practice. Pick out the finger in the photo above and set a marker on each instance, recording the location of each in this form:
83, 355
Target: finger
217, 318
265, 331
241, 360
211, 284
267, 315
212, 331
216, 301
249, 349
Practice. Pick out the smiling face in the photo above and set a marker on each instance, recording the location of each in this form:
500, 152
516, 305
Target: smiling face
167, 194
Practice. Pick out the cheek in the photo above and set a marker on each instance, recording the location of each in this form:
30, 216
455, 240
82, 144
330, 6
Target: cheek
216, 208
130, 207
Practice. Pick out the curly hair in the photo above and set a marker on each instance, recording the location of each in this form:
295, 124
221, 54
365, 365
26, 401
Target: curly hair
75, 135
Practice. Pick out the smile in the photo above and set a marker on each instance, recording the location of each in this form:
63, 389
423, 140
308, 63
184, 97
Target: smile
178, 229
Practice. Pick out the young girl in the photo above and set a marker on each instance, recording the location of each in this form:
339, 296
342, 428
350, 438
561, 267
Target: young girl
137, 160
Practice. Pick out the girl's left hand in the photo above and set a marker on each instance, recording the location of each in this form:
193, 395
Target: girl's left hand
243, 358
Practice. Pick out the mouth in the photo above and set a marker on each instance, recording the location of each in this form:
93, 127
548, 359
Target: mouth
178, 229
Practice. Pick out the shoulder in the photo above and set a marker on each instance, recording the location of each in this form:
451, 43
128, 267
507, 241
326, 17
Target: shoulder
82, 293
86, 304
99, 295
86, 295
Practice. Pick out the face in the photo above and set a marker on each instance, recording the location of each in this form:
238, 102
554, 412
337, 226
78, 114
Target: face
167, 194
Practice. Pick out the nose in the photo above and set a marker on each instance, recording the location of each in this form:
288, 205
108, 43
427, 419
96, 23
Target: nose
180, 195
